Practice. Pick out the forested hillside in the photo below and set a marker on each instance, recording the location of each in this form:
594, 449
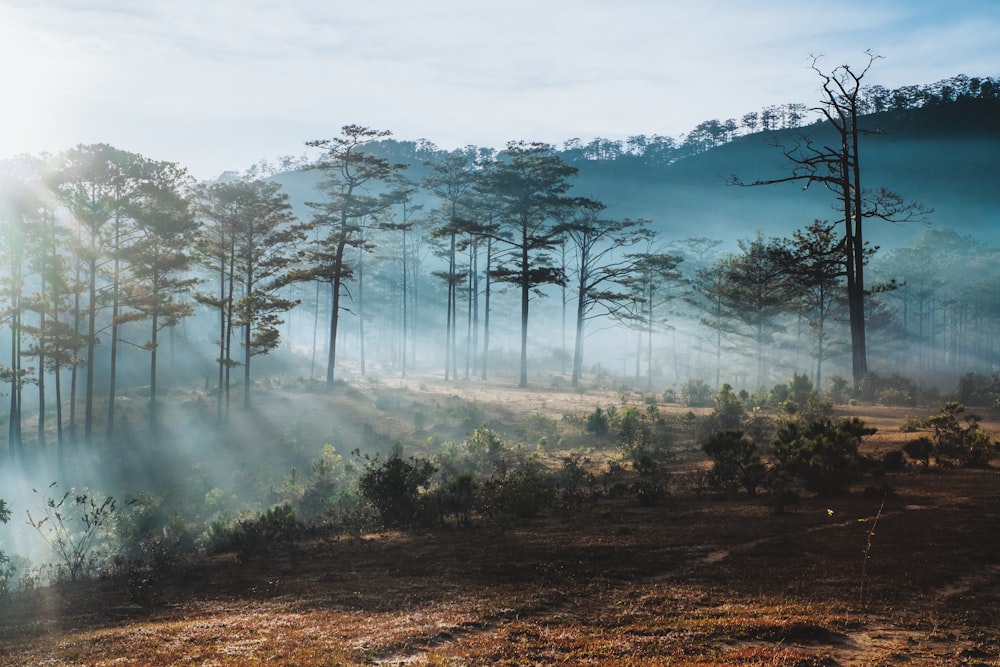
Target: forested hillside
941, 153
391, 257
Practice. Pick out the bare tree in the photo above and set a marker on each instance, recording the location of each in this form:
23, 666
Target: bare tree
837, 167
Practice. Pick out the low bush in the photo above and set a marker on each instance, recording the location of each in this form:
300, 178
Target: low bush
735, 462
822, 455
394, 488
969, 444
275, 528
76, 528
696, 394
517, 492
597, 422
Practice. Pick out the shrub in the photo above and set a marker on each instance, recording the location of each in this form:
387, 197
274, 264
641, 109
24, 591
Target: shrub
277, 527
459, 498
893, 390
799, 388
629, 420
519, 492
147, 533
485, 447
822, 455
394, 488
969, 444
327, 492
575, 481
74, 526
735, 462
729, 412
816, 408
597, 422
696, 394
895, 397
840, 389
274, 528
979, 390
920, 450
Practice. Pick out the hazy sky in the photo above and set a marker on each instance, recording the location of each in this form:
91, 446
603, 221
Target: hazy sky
221, 84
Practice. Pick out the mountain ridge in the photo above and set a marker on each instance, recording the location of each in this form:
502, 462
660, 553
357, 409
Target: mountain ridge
940, 155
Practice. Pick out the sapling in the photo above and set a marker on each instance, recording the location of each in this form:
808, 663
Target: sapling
868, 552
71, 526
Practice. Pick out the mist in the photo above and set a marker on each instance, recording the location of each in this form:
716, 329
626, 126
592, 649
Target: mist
201, 448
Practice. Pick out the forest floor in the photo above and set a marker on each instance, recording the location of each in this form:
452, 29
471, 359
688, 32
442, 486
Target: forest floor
909, 577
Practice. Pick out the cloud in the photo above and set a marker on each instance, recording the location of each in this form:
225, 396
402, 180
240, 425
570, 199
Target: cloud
233, 81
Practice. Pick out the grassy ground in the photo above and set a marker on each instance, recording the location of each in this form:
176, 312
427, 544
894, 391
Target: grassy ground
908, 578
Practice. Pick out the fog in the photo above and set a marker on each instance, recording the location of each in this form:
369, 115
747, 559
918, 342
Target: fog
205, 453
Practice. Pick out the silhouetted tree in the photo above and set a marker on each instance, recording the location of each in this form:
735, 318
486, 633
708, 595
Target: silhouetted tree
602, 272
159, 259
531, 182
838, 168
648, 282
351, 177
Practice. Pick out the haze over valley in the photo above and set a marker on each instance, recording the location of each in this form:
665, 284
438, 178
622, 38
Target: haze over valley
630, 400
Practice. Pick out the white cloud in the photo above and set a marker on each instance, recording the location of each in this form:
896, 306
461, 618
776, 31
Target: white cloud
221, 83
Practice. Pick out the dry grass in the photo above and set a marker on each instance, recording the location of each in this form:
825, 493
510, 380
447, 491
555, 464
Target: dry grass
695, 581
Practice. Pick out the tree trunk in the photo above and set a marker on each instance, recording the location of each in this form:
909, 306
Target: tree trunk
581, 299
152, 370
361, 308
486, 310
335, 308
88, 410
525, 296
109, 428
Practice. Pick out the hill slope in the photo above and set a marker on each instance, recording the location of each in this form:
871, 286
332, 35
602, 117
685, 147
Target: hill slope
943, 156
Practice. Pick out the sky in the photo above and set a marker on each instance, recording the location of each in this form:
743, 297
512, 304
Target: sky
218, 85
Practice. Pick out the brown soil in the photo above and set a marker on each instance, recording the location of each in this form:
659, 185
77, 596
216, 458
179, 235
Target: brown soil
696, 580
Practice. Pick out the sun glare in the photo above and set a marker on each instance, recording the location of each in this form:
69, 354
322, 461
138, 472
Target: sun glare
30, 81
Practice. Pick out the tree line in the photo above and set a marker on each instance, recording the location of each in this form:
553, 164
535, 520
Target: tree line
103, 247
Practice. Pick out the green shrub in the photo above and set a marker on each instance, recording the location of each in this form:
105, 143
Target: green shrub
75, 527
822, 455
920, 449
146, 532
729, 412
459, 497
969, 444
799, 388
735, 462
893, 390
816, 408
597, 422
696, 394
895, 397
516, 492
275, 528
576, 482
394, 488
840, 389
